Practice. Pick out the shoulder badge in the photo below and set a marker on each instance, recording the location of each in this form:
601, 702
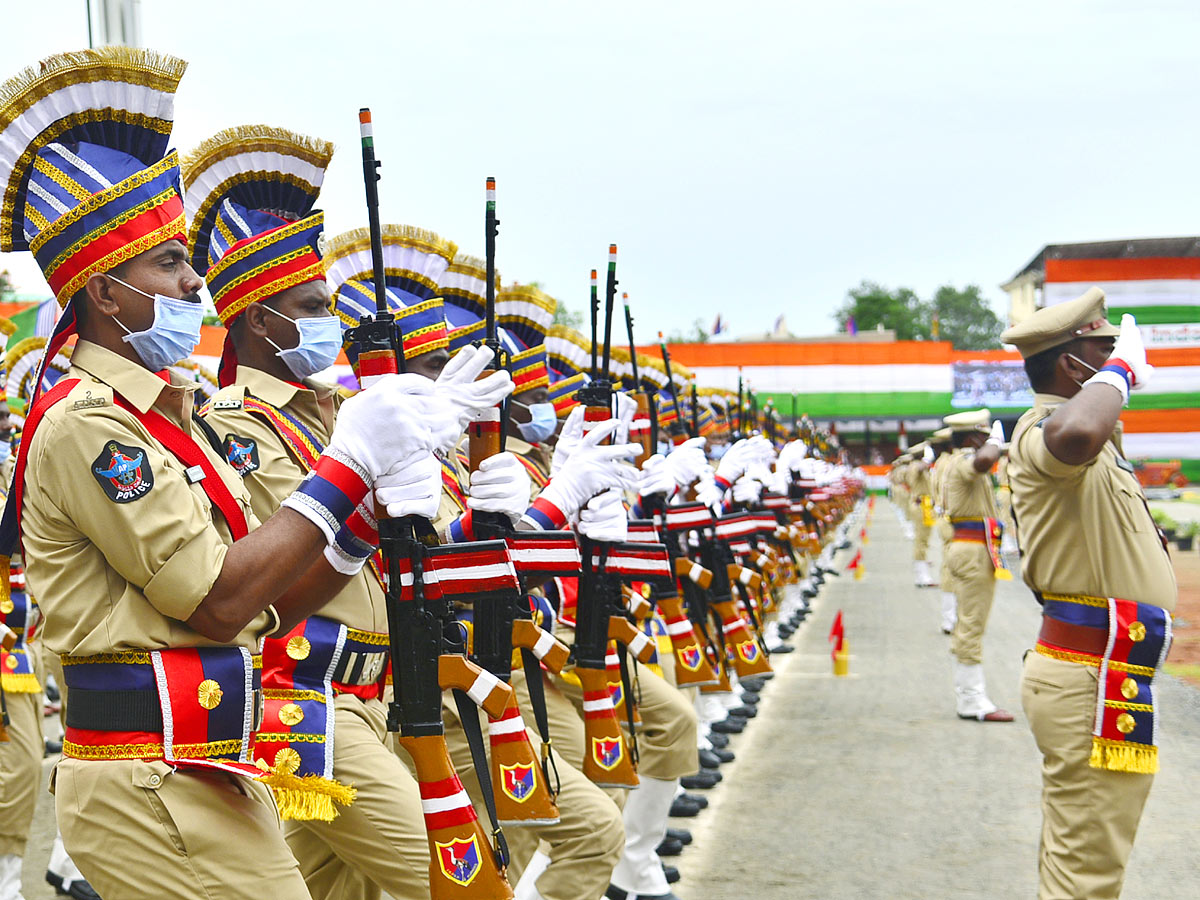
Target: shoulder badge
123, 472
227, 403
242, 453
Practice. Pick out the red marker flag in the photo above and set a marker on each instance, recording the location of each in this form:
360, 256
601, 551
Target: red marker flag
855, 563
837, 635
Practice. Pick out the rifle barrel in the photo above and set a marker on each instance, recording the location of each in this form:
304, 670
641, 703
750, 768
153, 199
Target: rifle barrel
610, 299
632, 349
595, 313
371, 166
489, 243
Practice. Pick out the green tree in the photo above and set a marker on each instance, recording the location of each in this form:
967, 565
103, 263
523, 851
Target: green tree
697, 334
572, 318
965, 319
6, 287
872, 305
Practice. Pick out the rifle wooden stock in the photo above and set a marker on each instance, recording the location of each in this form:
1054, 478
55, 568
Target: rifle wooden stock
552, 652
606, 760
743, 576
693, 572
459, 673
461, 863
620, 629
723, 685
692, 667
748, 657
522, 797
484, 436
616, 687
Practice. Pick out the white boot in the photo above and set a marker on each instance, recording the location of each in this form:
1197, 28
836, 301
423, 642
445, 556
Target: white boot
639, 870
949, 611
972, 698
922, 573
526, 888
10, 877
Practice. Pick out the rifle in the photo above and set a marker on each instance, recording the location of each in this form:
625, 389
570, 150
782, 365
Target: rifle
607, 758
644, 429
426, 646
740, 432
680, 428
521, 797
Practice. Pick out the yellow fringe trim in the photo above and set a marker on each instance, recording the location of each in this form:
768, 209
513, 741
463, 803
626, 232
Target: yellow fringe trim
1002, 574
308, 798
5, 586
20, 683
1124, 756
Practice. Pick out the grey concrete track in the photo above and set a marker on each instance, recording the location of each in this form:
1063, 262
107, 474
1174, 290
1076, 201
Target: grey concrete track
870, 786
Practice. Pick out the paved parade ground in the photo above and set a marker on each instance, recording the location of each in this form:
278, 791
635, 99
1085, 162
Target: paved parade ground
870, 787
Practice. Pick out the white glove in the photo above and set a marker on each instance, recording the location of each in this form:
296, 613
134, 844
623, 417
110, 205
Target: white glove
995, 437
656, 477
384, 424
746, 490
500, 484
759, 471
687, 461
626, 408
458, 398
1131, 350
604, 518
733, 464
928, 455
762, 450
791, 455
708, 493
592, 467
568, 439
413, 487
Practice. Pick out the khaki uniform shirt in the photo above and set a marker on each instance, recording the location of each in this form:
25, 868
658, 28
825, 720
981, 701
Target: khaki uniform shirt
967, 493
918, 481
276, 473
538, 454
112, 571
1084, 529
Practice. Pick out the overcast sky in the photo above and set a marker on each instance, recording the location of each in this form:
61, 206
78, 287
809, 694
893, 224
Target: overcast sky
750, 159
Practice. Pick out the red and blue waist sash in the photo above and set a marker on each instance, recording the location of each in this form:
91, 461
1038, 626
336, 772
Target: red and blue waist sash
1128, 642
987, 532
303, 671
195, 706
20, 614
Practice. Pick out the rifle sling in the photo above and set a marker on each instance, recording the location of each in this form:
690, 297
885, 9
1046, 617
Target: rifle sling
537, 699
468, 715
627, 687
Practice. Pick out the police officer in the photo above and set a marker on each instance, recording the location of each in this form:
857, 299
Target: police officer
140, 540
972, 556
1094, 559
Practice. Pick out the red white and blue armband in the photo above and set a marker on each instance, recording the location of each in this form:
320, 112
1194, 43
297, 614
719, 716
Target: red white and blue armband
462, 529
330, 493
1115, 373
722, 483
354, 542
545, 516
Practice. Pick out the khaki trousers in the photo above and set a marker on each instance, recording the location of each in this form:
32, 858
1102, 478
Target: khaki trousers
971, 572
20, 770
1089, 816
139, 830
379, 841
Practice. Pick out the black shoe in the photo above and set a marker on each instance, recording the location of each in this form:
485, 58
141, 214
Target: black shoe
787, 629
754, 683
808, 593
709, 759
744, 712
79, 889
672, 874
700, 801
729, 726
615, 893
699, 782
718, 741
669, 848
684, 809
751, 697
52, 749
680, 834
782, 648
725, 756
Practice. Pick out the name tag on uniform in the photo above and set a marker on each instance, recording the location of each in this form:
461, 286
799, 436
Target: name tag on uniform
1123, 463
194, 474
227, 404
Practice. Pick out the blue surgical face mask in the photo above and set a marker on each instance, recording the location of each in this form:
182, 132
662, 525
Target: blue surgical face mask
542, 422
716, 451
173, 334
320, 343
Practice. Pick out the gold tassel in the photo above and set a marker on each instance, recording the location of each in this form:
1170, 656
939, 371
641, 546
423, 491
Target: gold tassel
1002, 574
7, 326
20, 683
251, 138
6, 601
403, 235
309, 797
1123, 756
